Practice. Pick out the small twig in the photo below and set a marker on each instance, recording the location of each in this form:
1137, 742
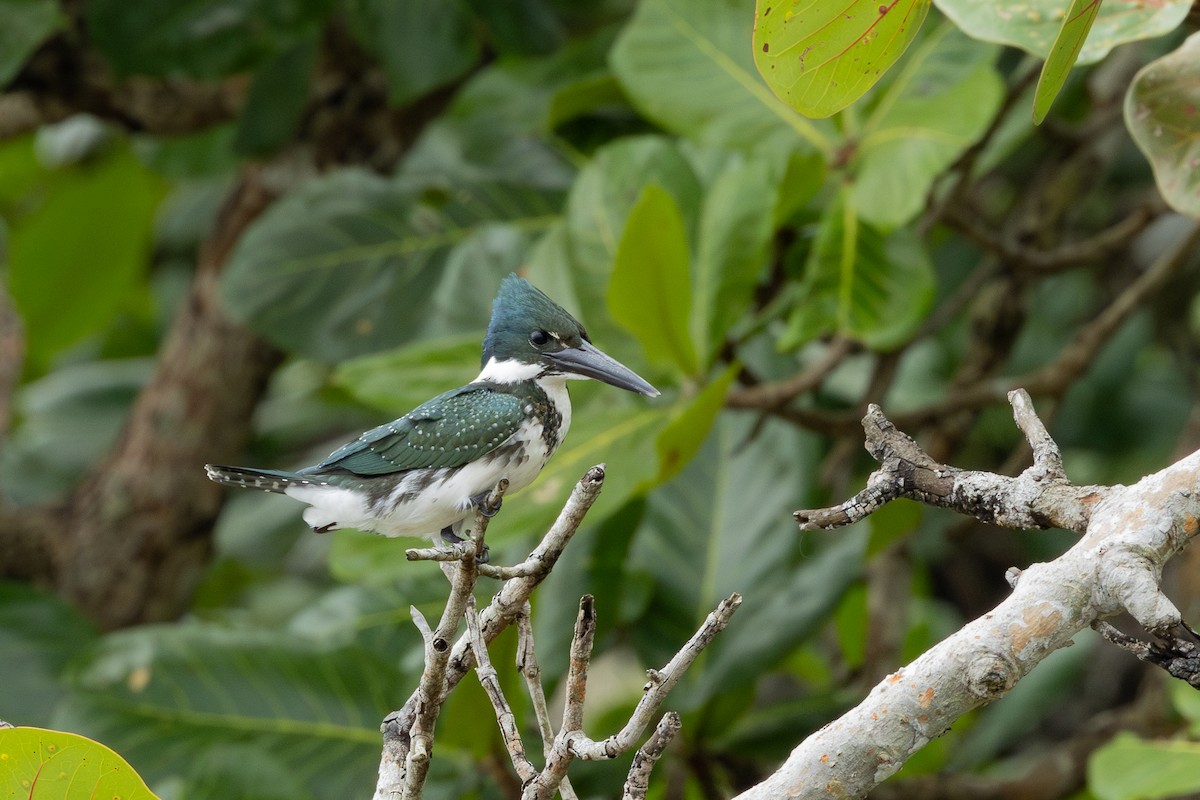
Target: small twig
491, 686
638, 781
1112, 239
779, 393
430, 693
422, 624
531, 671
1047, 459
450, 552
572, 743
504, 608
1179, 655
526, 569
906, 470
581, 658
659, 684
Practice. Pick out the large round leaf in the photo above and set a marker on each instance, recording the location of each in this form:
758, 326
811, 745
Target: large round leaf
353, 263
822, 57
51, 765
1033, 25
938, 103
687, 65
169, 696
1160, 111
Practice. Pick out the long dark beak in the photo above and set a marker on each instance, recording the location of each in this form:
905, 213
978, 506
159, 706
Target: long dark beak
589, 362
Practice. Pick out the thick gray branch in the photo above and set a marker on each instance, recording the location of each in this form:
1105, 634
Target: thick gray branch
1129, 533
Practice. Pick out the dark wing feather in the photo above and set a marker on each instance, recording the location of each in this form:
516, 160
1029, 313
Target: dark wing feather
447, 431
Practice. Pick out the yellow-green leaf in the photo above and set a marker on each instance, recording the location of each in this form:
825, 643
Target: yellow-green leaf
1063, 54
650, 293
51, 765
1161, 114
822, 57
680, 440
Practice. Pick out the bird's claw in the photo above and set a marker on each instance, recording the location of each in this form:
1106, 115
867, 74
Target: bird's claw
489, 510
453, 540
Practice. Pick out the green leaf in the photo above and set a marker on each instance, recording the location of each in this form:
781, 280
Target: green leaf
197, 38
681, 439
822, 58
598, 207
48, 765
401, 379
940, 102
78, 242
1033, 25
520, 27
24, 24
167, 695
41, 633
352, 263
736, 226
1186, 702
496, 127
861, 283
650, 292
69, 419
1160, 112
723, 526
422, 44
276, 101
1063, 54
685, 65
1130, 768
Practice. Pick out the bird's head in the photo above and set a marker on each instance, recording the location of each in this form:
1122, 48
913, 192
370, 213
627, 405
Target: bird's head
530, 336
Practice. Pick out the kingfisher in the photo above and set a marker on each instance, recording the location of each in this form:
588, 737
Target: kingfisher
425, 473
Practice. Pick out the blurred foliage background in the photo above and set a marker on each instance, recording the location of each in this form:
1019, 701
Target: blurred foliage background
243, 230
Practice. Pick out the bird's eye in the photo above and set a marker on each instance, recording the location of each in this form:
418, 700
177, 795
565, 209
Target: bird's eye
538, 338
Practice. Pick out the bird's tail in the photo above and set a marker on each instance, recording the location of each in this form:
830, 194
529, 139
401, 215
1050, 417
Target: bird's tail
268, 480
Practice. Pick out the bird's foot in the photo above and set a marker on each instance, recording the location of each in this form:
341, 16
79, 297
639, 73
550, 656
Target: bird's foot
489, 510
453, 540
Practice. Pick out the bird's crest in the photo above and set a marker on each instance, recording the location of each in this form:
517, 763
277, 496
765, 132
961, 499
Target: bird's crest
518, 312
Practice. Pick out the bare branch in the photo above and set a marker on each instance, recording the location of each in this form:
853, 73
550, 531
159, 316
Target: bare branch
1115, 567
1028, 501
659, 684
572, 743
1179, 656
779, 393
1047, 459
1052, 379
647, 756
506, 606
431, 692
1098, 248
527, 665
491, 686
